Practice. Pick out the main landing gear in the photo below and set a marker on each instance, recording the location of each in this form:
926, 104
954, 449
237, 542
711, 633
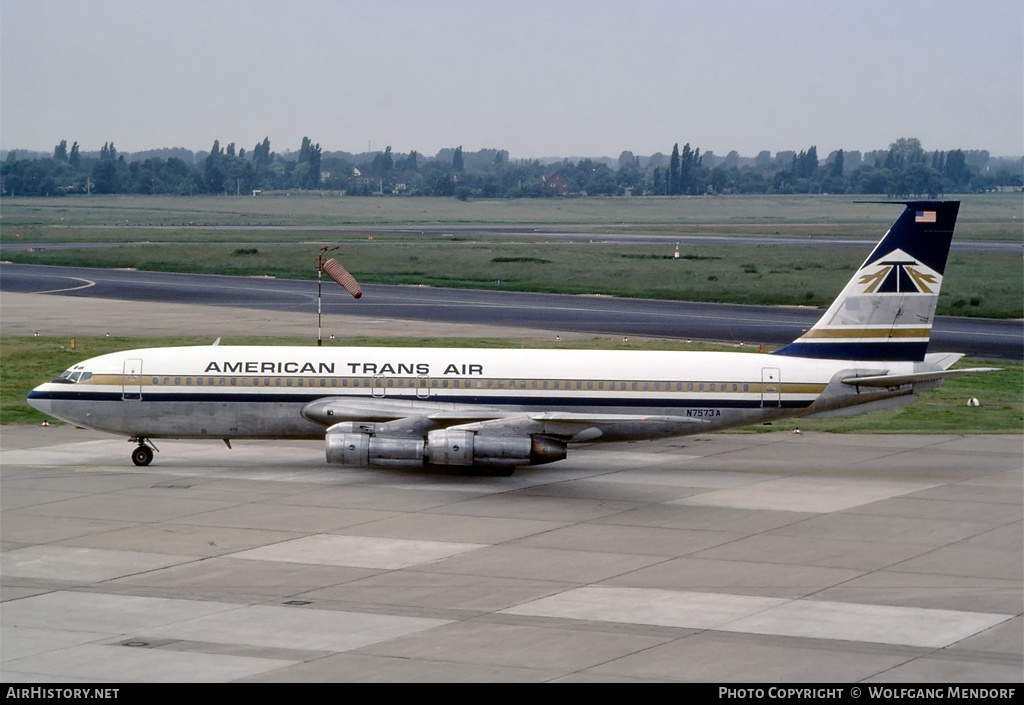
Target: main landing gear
143, 454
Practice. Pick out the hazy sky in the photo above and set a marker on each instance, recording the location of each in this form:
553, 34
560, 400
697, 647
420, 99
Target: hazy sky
538, 78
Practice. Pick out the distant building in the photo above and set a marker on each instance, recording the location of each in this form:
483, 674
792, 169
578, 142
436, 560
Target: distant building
555, 185
358, 180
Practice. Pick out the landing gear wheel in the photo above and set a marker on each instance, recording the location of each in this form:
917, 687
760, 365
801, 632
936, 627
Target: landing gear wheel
143, 455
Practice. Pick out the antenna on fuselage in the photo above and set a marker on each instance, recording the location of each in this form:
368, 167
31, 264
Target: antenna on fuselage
339, 274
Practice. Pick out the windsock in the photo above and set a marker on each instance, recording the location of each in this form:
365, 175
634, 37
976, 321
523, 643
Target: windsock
339, 274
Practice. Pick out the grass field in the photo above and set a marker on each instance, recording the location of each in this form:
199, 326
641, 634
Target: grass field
26, 362
154, 235
986, 216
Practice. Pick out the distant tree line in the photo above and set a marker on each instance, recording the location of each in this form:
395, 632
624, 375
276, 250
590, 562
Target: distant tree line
904, 169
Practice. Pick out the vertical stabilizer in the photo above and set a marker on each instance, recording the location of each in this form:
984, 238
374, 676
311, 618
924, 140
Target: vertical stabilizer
886, 311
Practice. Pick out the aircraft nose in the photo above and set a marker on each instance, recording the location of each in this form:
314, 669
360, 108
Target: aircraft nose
38, 402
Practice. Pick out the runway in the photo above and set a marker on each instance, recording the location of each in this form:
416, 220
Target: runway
438, 307
752, 557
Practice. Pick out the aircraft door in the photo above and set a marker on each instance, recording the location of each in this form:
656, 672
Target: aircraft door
423, 387
131, 380
771, 387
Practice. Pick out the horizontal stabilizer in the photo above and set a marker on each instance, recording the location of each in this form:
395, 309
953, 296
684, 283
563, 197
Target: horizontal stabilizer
915, 378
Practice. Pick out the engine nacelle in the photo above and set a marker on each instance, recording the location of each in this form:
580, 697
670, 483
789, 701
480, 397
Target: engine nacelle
451, 447
347, 445
364, 450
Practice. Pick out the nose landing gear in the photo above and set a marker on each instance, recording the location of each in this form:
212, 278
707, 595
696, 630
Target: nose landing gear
143, 454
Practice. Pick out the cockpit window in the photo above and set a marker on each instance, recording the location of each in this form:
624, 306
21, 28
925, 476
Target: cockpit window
74, 375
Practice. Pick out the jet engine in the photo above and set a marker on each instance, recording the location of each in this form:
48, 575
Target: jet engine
363, 450
453, 447
347, 446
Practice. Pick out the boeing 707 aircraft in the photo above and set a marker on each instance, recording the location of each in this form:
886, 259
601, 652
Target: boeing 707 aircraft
501, 409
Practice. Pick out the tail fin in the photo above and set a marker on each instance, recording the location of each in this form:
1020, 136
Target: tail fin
886, 310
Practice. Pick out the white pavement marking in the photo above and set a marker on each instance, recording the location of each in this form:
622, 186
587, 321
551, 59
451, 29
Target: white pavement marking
81, 565
357, 551
805, 494
910, 626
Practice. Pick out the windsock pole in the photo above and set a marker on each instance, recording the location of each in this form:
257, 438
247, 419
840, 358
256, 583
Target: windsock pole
319, 289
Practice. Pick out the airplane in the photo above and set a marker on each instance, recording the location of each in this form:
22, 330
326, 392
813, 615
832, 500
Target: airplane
491, 411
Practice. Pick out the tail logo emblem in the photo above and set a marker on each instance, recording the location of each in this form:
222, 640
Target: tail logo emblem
899, 273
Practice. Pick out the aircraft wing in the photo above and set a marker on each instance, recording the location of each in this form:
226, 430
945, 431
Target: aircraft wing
331, 410
578, 426
394, 415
